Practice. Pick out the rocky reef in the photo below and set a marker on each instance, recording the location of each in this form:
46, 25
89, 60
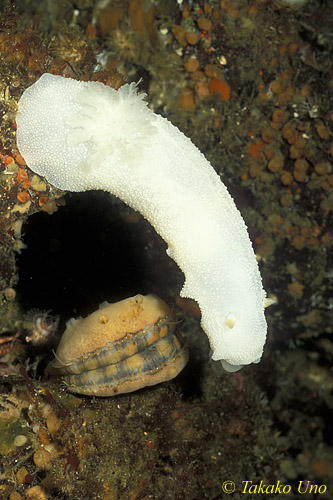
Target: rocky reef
250, 82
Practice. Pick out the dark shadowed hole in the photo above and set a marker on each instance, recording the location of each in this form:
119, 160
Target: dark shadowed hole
93, 249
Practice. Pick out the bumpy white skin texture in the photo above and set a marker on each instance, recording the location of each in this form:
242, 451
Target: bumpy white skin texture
85, 135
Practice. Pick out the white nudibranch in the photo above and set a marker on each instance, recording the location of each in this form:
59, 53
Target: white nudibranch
85, 135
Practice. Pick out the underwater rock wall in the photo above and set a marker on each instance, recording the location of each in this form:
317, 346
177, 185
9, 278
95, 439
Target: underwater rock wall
250, 83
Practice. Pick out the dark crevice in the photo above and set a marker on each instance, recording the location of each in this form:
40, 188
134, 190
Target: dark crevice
93, 249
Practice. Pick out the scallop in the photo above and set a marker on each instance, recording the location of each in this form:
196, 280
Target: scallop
120, 348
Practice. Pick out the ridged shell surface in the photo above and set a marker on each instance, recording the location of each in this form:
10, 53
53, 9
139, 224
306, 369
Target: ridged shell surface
120, 348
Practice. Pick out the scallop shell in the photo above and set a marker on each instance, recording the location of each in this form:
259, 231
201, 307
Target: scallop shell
120, 348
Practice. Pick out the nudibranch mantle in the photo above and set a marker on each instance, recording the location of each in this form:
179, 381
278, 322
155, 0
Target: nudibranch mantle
85, 135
